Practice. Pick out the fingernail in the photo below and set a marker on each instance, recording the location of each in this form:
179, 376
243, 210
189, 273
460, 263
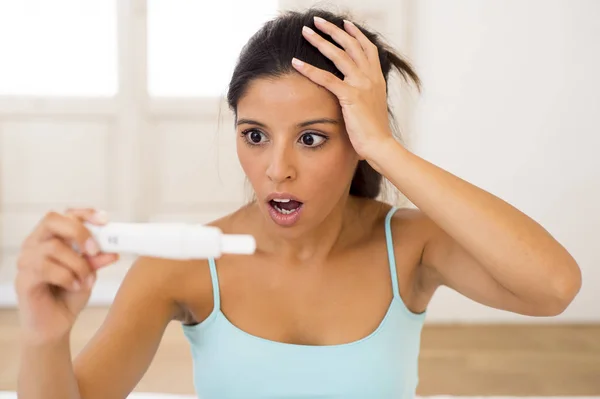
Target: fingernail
91, 247
307, 30
319, 20
348, 22
76, 286
101, 217
297, 62
90, 281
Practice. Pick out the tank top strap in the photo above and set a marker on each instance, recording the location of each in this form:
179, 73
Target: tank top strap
215, 283
390, 250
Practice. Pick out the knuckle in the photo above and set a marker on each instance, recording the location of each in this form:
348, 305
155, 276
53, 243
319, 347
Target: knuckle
79, 232
328, 78
54, 246
355, 45
357, 52
50, 216
81, 267
77, 212
63, 277
31, 261
338, 54
346, 56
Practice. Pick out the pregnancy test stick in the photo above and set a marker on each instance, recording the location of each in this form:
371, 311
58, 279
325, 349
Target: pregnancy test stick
170, 240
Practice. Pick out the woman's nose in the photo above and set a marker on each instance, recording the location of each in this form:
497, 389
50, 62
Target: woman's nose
281, 165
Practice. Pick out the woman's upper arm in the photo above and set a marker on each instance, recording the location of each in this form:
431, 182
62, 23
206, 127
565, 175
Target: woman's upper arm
119, 354
445, 262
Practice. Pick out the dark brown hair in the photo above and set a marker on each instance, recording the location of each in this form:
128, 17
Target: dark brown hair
269, 53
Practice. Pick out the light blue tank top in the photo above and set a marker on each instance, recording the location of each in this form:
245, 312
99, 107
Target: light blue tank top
231, 363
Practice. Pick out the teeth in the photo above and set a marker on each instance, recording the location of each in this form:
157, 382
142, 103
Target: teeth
281, 200
285, 211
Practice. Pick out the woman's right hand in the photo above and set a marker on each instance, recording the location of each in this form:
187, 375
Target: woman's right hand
54, 281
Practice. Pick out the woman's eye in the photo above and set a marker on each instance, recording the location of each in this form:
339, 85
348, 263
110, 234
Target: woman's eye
312, 139
254, 136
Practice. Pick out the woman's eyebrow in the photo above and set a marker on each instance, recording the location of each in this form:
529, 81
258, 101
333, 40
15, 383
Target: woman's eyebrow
249, 122
317, 121
332, 121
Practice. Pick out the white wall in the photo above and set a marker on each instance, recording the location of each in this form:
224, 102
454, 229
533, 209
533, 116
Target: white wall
511, 103
139, 158
509, 91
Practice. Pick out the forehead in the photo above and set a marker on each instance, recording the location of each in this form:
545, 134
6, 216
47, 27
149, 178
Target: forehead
291, 96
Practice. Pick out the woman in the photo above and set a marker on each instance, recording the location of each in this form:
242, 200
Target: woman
333, 302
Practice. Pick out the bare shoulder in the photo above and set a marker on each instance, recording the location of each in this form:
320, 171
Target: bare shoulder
411, 229
408, 225
414, 223
184, 286
189, 283
168, 281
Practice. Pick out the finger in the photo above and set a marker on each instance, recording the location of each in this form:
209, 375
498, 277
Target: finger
348, 42
340, 58
97, 217
55, 274
60, 252
369, 48
86, 216
321, 77
67, 228
94, 216
101, 260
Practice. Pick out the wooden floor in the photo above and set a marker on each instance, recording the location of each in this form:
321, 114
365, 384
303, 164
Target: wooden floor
455, 360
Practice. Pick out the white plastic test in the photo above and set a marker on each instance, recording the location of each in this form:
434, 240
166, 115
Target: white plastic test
170, 240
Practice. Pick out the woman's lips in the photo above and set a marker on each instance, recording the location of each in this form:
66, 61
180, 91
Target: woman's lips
284, 219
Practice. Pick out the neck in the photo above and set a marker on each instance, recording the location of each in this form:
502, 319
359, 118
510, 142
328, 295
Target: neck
314, 244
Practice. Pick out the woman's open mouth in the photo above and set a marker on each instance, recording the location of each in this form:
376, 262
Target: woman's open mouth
285, 211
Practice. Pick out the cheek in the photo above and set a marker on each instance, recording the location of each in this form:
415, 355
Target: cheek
248, 164
332, 170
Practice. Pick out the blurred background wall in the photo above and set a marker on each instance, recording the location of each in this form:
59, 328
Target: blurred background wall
118, 104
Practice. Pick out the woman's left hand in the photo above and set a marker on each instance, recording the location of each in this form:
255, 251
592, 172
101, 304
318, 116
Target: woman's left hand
362, 93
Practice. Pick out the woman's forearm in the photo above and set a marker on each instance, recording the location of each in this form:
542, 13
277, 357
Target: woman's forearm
46, 372
514, 249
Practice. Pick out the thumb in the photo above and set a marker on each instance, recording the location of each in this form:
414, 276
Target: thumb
102, 259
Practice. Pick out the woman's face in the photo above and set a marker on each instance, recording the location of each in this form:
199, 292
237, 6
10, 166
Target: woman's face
292, 145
